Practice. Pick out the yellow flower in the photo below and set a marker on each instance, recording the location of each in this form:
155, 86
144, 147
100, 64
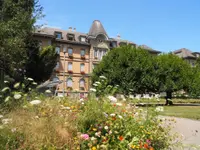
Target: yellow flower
93, 148
141, 126
94, 129
133, 146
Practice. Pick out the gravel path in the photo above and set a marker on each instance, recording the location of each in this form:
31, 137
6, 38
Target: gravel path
189, 129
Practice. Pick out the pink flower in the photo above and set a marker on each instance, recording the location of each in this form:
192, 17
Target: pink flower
85, 136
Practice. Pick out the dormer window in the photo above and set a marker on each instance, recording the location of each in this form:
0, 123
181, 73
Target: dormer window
70, 37
83, 39
58, 35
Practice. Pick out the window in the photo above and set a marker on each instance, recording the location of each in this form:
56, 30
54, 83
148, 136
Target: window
58, 35
82, 52
64, 49
95, 53
57, 50
55, 79
69, 66
70, 37
69, 82
82, 66
83, 39
82, 83
70, 51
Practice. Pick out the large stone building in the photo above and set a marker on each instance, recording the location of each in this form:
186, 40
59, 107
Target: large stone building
79, 53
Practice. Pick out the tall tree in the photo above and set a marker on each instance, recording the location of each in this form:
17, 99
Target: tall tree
172, 73
130, 68
17, 18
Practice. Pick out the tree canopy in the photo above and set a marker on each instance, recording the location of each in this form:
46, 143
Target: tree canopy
135, 70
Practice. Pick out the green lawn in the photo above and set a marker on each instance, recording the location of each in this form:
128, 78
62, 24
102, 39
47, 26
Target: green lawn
162, 101
192, 112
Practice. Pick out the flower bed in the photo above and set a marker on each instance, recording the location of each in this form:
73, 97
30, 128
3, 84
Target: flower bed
84, 124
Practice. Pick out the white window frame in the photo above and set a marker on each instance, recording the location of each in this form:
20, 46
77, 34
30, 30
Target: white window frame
82, 67
71, 82
69, 51
69, 66
82, 85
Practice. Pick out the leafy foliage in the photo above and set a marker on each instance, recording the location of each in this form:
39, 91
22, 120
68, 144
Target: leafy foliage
40, 63
128, 67
17, 24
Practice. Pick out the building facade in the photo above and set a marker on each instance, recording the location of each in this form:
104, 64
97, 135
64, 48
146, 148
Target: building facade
79, 53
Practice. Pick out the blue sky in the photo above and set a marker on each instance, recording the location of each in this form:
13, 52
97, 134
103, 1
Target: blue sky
164, 25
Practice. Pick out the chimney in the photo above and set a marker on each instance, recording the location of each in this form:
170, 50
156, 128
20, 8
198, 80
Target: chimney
118, 36
74, 29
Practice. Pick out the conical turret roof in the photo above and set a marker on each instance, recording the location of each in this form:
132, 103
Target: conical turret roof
96, 29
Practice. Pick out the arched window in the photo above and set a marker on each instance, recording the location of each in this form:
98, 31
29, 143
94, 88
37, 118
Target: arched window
102, 37
82, 84
69, 82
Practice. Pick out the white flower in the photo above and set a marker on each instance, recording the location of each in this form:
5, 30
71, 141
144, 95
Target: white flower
81, 100
112, 99
6, 121
82, 103
30, 79
6, 82
93, 138
48, 91
36, 117
1, 116
95, 84
17, 96
16, 85
13, 129
105, 114
93, 90
106, 127
98, 134
112, 115
102, 77
68, 108
119, 104
159, 109
34, 83
120, 116
110, 132
35, 102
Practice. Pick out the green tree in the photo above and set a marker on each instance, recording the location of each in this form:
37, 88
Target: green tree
17, 23
172, 73
40, 63
130, 68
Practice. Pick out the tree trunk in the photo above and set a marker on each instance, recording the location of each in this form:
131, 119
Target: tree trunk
168, 98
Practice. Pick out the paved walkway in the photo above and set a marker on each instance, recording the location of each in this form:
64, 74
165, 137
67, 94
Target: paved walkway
189, 129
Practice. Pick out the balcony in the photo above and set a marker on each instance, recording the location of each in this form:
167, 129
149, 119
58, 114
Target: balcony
70, 56
70, 71
82, 56
82, 72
